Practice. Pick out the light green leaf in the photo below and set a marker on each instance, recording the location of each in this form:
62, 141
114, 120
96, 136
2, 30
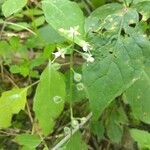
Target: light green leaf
63, 14
11, 102
28, 141
49, 98
10, 7
142, 137
75, 143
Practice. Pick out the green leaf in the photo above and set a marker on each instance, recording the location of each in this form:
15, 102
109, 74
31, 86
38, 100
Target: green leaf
49, 35
98, 15
63, 14
138, 97
142, 137
111, 74
119, 59
10, 7
115, 120
143, 9
5, 49
75, 143
49, 98
28, 141
11, 102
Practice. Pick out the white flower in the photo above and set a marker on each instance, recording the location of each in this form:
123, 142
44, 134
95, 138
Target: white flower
73, 31
60, 52
85, 46
57, 54
88, 57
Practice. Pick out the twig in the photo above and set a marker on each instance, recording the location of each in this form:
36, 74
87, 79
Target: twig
66, 138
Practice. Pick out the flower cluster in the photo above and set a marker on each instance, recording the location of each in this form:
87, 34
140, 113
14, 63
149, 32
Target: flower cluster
73, 32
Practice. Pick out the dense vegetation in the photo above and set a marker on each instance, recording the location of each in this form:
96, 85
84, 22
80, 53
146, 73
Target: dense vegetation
75, 75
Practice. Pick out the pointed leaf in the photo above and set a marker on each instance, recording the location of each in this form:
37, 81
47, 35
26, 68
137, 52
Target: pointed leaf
49, 98
138, 97
10, 7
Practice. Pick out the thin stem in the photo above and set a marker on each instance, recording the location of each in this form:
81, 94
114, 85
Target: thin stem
65, 139
20, 26
71, 84
125, 2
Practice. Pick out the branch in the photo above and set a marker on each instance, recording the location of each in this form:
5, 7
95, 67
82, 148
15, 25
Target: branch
65, 139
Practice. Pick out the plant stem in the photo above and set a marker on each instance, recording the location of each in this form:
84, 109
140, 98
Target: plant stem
126, 3
71, 84
65, 139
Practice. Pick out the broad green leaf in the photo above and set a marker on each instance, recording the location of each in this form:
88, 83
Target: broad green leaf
119, 59
28, 141
62, 15
10, 7
143, 8
49, 98
114, 70
11, 102
138, 1
138, 97
75, 143
49, 35
142, 137
99, 15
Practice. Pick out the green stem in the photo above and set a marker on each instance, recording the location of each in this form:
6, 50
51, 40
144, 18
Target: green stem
126, 3
71, 84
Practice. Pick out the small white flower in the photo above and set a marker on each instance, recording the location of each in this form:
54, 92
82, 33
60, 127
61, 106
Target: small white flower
60, 52
73, 31
77, 77
85, 46
88, 57
57, 54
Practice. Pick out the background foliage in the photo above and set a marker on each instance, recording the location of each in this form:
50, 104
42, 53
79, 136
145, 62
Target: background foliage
74, 74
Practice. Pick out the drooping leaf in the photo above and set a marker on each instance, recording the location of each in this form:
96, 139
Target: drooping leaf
64, 14
138, 97
49, 98
142, 137
143, 9
75, 142
11, 102
10, 7
115, 120
28, 141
